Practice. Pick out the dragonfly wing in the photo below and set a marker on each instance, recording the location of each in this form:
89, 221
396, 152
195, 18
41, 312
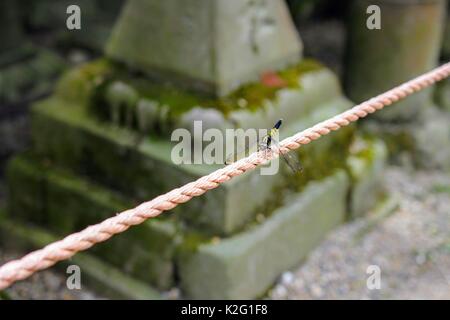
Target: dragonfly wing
290, 160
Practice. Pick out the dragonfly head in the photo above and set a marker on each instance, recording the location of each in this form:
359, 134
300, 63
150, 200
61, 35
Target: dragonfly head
275, 128
278, 124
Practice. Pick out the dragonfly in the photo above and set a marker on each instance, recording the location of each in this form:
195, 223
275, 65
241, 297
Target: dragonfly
266, 144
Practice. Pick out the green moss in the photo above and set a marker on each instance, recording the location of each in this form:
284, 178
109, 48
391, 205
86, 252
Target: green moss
317, 166
191, 241
253, 95
363, 151
441, 188
79, 84
397, 143
89, 85
321, 158
4, 295
105, 152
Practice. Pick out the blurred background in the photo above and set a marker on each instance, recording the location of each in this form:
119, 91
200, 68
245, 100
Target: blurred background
87, 108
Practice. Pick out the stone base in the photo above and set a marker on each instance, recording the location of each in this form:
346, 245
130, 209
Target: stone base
365, 165
69, 135
242, 264
423, 143
245, 265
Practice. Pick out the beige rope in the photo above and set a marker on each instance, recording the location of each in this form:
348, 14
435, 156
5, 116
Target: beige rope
66, 248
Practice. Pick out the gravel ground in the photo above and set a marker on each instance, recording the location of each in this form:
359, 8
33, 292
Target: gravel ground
411, 246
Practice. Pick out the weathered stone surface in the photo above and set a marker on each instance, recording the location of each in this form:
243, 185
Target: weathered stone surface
32, 77
316, 89
365, 164
64, 203
102, 150
407, 45
432, 140
96, 274
10, 29
245, 265
445, 53
213, 46
423, 142
113, 95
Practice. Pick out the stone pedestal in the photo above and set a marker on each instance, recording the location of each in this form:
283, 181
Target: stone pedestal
91, 156
407, 45
211, 46
422, 143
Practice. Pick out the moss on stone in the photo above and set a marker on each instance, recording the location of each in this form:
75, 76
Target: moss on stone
66, 203
323, 157
89, 84
244, 265
254, 94
364, 166
109, 154
191, 241
79, 84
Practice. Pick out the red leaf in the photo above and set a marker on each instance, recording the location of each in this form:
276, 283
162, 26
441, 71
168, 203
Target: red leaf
272, 79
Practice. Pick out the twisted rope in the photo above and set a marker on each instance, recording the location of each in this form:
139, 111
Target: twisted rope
64, 249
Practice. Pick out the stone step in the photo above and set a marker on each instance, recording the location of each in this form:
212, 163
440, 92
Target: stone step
95, 273
43, 194
68, 135
65, 203
245, 265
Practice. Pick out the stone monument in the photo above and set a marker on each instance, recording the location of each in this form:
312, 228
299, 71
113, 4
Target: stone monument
102, 144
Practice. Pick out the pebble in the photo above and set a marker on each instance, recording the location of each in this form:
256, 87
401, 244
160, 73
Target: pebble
287, 278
